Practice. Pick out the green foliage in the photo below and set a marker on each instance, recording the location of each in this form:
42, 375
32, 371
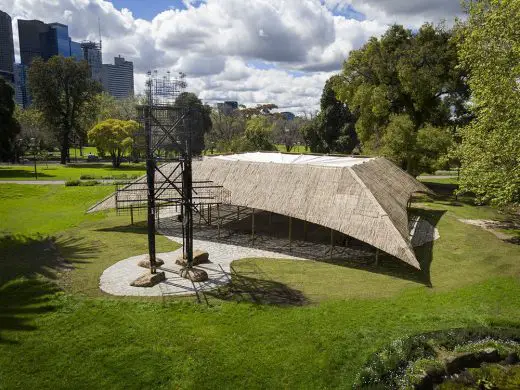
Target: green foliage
398, 364
405, 74
61, 89
257, 136
9, 127
416, 151
332, 131
200, 120
489, 47
115, 137
72, 183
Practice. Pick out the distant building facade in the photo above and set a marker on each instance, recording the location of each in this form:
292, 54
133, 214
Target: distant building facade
6, 47
227, 107
118, 79
38, 39
92, 54
21, 94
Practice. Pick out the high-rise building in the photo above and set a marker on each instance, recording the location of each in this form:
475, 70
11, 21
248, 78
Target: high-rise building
227, 107
21, 94
92, 54
38, 39
118, 79
6, 47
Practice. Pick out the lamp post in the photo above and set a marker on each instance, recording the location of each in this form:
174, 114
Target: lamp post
34, 146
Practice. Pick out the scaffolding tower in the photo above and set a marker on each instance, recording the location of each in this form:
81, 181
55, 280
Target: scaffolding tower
168, 124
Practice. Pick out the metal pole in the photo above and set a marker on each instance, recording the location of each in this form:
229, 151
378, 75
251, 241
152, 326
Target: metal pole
377, 257
150, 173
218, 219
331, 242
290, 233
304, 230
253, 227
238, 213
131, 214
188, 201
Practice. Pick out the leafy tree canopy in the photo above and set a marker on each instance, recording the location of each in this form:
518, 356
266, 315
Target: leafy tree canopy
199, 123
9, 127
115, 137
61, 89
332, 131
257, 136
489, 47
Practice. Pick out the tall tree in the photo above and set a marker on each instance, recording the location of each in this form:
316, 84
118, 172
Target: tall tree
200, 122
335, 131
9, 127
404, 73
61, 89
489, 47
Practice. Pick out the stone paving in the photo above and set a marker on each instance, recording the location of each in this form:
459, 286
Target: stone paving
116, 279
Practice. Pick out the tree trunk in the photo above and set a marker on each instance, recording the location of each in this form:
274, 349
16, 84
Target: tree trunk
64, 155
115, 161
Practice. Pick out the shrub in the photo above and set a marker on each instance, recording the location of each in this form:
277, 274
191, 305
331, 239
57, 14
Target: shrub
87, 177
388, 367
89, 183
72, 183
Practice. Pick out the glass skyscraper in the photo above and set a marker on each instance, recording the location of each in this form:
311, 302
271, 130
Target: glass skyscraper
6, 47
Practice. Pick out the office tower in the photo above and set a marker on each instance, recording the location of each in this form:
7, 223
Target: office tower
118, 79
6, 47
21, 94
92, 54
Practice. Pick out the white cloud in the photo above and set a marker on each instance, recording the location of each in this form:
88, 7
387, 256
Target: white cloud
213, 41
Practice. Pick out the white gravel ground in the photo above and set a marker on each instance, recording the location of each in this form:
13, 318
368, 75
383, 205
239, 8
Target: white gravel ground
116, 279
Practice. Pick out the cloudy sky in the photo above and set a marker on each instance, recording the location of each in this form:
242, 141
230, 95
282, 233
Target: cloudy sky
252, 51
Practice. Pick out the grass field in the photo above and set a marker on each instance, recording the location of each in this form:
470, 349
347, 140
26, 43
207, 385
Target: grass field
57, 330
71, 172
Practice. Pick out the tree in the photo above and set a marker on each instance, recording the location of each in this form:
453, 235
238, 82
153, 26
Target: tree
61, 89
489, 48
404, 73
225, 127
33, 130
417, 152
200, 121
287, 132
333, 131
114, 136
9, 127
257, 136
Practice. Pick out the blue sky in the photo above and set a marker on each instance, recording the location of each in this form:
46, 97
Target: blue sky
148, 9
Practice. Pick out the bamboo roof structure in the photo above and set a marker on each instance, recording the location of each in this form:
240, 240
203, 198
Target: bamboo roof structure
365, 198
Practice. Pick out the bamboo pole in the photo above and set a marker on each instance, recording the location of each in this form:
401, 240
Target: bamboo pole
304, 230
131, 214
218, 219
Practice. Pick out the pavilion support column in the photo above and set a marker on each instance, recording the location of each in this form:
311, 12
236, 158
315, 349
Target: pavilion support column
131, 214
290, 234
377, 257
238, 213
253, 226
209, 214
304, 230
331, 242
218, 219
158, 217
201, 213
346, 241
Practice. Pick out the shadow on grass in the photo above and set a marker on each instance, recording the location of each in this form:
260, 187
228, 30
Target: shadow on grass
9, 173
28, 270
254, 287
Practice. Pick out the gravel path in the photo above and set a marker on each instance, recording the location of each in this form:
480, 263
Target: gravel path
116, 279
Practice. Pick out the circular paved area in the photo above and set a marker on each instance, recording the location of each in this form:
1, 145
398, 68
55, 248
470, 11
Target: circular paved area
116, 279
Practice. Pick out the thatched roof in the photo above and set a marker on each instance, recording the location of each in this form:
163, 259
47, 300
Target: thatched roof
365, 198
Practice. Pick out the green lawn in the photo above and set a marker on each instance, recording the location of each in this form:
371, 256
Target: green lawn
71, 172
59, 331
